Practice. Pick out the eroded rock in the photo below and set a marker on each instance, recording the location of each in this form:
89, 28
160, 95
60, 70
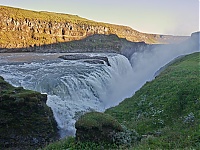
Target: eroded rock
26, 122
86, 58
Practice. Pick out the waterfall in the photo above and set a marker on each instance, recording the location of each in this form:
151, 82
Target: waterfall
74, 87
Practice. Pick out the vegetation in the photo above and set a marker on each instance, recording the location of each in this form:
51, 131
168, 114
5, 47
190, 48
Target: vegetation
93, 43
98, 121
167, 109
96, 127
165, 112
71, 144
25, 120
17, 13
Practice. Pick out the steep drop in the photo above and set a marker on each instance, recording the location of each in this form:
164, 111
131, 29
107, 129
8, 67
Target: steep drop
146, 61
73, 87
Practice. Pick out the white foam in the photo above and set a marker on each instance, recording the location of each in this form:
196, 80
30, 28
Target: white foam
74, 86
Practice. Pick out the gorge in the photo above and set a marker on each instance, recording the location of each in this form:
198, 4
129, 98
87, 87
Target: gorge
80, 64
28, 29
76, 86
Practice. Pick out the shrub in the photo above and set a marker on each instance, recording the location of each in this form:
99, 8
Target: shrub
126, 137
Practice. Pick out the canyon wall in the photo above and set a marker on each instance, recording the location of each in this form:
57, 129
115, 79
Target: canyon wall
23, 28
29, 33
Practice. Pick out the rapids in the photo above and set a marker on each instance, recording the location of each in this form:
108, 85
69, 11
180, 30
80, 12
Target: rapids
76, 86
73, 87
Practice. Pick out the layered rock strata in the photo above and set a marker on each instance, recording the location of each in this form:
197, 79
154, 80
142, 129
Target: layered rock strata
23, 28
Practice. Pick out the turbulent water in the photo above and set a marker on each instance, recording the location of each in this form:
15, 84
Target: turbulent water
74, 87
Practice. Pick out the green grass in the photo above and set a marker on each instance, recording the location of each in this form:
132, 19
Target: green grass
96, 127
168, 106
97, 120
71, 144
165, 110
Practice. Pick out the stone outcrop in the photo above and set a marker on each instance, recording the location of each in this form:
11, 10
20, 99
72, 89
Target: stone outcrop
26, 122
22, 28
86, 58
96, 127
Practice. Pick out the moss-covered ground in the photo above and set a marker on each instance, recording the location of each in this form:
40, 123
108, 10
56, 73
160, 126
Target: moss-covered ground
165, 112
26, 122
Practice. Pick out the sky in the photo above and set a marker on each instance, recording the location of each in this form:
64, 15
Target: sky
174, 17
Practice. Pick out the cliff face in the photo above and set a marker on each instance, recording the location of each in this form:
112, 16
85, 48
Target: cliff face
23, 28
26, 122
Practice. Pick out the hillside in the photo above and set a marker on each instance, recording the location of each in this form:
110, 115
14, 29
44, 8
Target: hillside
24, 28
166, 109
165, 112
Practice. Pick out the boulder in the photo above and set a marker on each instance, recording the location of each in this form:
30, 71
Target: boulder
96, 127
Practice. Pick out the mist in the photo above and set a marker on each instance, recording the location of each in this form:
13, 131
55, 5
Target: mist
76, 86
147, 62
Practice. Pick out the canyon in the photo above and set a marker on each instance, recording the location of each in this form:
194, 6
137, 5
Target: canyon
28, 29
115, 62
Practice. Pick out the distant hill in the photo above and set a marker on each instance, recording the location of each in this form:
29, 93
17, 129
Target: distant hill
21, 28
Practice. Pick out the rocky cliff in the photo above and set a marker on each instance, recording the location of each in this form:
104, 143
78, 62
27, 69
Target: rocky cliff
23, 28
26, 122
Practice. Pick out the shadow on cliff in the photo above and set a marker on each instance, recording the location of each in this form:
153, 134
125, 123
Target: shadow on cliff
105, 43
93, 43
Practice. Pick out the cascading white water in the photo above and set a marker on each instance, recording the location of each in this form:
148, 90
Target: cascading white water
76, 86
73, 86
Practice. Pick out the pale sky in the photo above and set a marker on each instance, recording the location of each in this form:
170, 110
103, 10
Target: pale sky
175, 17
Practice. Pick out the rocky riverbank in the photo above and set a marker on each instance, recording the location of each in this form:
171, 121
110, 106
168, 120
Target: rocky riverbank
86, 58
26, 122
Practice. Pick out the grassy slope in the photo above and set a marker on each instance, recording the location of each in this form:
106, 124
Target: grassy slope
166, 109
94, 43
163, 105
17, 13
